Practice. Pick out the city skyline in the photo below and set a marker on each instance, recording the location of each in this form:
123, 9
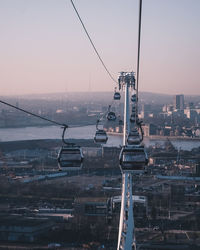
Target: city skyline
44, 49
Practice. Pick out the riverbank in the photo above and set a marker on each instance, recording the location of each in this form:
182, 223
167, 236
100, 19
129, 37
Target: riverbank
85, 133
159, 137
85, 124
173, 138
43, 144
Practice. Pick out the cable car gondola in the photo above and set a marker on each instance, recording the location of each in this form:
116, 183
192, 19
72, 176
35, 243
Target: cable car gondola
133, 109
70, 156
134, 117
133, 137
100, 136
133, 159
117, 96
121, 122
133, 98
111, 116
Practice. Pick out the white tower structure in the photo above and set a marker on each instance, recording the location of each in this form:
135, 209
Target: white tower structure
132, 160
126, 225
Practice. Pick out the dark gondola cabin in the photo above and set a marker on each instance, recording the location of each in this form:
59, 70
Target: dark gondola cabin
133, 98
111, 116
100, 136
117, 96
134, 117
121, 122
70, 157
133, 109
133, 138
133, 159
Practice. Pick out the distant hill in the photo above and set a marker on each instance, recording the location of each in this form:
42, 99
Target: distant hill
105, 97
155, 98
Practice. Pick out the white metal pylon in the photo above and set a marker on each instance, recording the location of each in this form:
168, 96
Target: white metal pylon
126, 236
126, 239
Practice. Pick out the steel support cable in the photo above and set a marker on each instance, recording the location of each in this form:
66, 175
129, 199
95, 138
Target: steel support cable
95, 49
30, 113
138, 53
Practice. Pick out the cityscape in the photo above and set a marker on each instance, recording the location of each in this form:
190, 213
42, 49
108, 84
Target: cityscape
42, 207
99, 125
177, 118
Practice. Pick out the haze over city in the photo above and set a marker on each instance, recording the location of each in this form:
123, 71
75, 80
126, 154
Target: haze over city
44, 49
92, 156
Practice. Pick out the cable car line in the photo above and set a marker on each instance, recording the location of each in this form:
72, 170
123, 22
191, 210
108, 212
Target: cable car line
30, 113
63, 135
106, 112
95, 49
138, 52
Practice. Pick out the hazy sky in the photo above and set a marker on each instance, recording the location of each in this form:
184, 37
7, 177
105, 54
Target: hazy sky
44, 49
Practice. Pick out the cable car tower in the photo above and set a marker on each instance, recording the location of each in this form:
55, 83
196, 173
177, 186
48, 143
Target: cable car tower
133, 159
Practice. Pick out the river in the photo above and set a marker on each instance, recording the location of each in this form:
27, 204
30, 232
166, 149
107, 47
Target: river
85, 132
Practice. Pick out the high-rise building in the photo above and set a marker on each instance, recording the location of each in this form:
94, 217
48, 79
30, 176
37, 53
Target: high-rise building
179, 102
146, 110
198, 169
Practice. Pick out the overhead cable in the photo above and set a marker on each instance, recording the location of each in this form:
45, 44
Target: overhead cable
138, 52
30, 113
95, 49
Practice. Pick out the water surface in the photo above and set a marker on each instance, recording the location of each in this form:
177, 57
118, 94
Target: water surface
85, 132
